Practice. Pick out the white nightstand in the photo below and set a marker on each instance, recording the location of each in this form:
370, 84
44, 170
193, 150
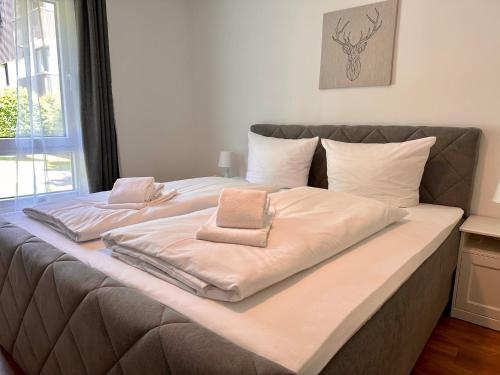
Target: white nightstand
476, 297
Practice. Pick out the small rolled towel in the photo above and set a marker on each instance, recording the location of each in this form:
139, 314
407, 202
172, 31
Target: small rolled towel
163, 197
157, 192
134, 190
244, 209
248, 237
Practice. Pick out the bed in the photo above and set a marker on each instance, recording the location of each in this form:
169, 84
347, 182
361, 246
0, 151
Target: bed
161, 330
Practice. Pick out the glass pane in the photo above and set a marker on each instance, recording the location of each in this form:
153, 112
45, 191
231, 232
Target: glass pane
8, 168
44, 118
8, 104
53, 173
8, 112
33, 104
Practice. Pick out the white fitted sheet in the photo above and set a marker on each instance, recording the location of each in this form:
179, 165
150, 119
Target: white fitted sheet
304, 320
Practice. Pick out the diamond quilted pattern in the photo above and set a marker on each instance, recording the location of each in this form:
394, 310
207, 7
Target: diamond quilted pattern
449, 174
62, 317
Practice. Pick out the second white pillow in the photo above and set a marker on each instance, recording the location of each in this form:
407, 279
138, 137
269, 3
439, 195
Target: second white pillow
389, 172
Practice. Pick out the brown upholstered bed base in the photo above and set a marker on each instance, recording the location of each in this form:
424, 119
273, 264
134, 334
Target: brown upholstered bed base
392, 340
59, 316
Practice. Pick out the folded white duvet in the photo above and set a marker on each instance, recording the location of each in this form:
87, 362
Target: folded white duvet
81, 219
310, 225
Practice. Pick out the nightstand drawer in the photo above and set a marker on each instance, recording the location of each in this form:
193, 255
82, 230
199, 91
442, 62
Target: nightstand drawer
478, 285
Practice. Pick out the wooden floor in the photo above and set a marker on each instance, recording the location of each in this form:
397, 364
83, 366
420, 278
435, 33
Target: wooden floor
461, 348
455, 348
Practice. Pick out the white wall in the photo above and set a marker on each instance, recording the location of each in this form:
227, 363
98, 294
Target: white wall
218, 66
151, 61
260, 63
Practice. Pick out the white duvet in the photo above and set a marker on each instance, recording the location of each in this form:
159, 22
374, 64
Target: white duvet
310, 225
80, 219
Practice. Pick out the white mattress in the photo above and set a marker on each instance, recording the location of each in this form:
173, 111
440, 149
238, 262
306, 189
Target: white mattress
304, 320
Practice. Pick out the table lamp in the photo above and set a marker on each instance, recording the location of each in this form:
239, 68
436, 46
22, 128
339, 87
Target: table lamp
496, 197
226, 162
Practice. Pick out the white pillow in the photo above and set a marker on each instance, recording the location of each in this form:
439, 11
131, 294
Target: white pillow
281, 162
389, 172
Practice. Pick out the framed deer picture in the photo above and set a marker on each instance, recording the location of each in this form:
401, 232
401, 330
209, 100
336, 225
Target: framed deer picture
358, 46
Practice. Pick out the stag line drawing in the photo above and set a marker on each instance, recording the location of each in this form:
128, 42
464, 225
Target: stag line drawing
354, 51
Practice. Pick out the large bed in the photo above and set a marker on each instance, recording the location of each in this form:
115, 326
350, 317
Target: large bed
71, 308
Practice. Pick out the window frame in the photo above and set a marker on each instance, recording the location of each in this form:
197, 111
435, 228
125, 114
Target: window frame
48, 145
5, 67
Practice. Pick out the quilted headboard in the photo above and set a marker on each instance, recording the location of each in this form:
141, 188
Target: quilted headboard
449, 173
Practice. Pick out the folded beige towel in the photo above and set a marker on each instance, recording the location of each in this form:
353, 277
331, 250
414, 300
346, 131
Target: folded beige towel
134, 190
248, 237
163, 197
244, 209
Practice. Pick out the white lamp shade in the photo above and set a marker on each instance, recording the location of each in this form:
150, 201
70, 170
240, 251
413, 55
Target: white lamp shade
496, 197
226, 159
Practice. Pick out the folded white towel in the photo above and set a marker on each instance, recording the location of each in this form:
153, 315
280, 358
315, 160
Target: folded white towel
134, 190
244, 209
163, 197
156, 192
248, 237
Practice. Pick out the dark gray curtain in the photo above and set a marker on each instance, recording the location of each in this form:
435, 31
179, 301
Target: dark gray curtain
98, 120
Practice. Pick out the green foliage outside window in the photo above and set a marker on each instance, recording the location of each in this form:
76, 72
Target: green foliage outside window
46, 120
8, 113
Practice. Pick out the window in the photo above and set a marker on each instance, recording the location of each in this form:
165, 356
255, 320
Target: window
40, 140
